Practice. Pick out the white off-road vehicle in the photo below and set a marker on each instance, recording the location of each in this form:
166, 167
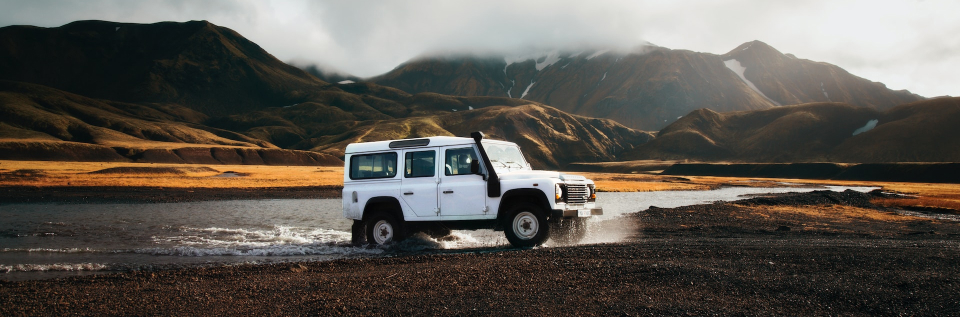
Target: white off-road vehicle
434, 185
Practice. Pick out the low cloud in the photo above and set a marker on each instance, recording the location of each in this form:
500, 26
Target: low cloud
910, 45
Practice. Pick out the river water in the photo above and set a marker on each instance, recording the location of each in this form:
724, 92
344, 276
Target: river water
54, 240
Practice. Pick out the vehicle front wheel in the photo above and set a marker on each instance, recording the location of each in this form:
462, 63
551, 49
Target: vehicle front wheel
526, 226
383, 228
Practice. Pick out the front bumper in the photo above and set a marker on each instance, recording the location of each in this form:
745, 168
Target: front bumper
577, 213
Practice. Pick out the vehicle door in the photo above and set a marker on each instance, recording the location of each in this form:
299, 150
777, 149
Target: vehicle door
419, 184
463, 194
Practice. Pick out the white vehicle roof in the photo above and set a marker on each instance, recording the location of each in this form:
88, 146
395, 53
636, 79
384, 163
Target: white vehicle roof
413, 143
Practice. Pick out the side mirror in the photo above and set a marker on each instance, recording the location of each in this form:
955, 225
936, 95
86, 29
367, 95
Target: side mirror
475, 167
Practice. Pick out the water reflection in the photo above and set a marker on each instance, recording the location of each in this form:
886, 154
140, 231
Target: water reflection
53, 240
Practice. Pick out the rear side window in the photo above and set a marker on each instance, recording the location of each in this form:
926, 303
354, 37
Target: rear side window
380, 165
419, 164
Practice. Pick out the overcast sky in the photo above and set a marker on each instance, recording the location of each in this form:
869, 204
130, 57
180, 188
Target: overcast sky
905, 44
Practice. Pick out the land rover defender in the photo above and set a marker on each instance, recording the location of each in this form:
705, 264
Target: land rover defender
434, 185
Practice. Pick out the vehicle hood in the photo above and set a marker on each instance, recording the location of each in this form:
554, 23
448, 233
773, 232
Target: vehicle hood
538, 174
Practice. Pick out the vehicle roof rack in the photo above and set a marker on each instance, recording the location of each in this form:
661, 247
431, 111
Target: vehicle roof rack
409, 143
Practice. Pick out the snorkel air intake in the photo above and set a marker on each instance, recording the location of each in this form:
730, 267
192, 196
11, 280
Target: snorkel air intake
493, 183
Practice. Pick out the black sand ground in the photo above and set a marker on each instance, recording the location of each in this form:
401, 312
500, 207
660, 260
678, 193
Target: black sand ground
700, 260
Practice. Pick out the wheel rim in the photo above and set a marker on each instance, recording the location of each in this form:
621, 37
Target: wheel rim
383, 232
526, 225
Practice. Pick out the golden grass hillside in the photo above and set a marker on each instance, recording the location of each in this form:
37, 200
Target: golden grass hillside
550, 138
47, 174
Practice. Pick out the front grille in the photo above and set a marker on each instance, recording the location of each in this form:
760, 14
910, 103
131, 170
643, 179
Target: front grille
577, 194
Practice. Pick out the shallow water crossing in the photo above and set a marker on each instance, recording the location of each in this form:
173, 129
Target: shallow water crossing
54, 240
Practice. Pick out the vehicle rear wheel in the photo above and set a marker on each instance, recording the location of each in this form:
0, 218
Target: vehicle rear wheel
525, 225
568, 230
383, 228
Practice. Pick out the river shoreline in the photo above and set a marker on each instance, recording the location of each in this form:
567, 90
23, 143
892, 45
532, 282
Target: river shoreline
146, 194
817, 253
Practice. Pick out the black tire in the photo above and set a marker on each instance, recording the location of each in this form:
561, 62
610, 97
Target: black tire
525, 226
383, 228
568, 231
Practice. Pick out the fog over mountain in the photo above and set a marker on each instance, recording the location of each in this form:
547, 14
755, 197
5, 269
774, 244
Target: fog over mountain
911, 45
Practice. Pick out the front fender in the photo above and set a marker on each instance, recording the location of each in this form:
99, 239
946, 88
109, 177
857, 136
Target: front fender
530, 195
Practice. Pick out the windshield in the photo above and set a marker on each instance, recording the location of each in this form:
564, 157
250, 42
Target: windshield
505, 157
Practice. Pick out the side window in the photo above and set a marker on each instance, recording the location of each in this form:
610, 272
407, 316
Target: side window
380, 165
419, 164
457, 161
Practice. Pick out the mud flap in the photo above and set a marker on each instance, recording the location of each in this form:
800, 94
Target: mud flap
357, 235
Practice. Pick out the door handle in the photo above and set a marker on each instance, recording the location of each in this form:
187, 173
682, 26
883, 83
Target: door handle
409, 193
448, 191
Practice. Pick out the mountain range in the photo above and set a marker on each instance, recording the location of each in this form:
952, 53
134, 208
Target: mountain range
184, 92
649, 87
195, 92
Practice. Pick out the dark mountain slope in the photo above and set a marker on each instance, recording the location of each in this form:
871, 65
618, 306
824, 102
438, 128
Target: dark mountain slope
196, 64
923, 131
649, 87
330, 76
450, 75
646, 90
816, 132
182, 92
789, 80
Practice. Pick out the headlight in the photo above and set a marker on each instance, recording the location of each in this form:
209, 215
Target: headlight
593, 189
558, 192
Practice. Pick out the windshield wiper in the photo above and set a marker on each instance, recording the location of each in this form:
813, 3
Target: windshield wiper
518, 164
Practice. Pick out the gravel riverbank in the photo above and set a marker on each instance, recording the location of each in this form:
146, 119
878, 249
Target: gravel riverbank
800, 256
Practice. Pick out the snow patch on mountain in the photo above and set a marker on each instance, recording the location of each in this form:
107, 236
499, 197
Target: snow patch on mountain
825, 92
867, 127
528, 89
541, 60
598, 53
344, 82
548, 60
736, 67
